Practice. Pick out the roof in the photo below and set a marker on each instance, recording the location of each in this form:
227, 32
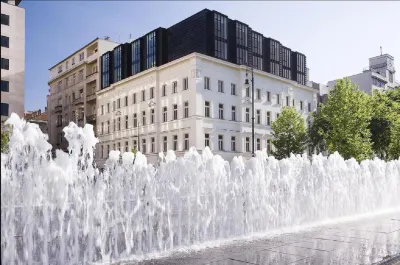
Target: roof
41, 117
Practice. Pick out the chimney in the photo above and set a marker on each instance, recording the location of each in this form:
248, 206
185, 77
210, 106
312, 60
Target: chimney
107, 38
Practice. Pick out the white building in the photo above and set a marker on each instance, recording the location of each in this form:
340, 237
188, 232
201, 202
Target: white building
196, 100
73, 84
379, 75
12, 58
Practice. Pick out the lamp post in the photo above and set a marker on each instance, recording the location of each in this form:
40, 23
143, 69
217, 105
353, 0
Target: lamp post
252, 108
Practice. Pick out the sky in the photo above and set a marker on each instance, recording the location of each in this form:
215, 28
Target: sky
337, 37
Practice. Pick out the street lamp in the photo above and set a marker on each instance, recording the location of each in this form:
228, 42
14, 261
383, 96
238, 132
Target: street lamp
252, 107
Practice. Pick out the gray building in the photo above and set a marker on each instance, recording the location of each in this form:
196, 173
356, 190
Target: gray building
379, 75
12, 58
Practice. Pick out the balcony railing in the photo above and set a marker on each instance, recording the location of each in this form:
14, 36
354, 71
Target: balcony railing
92, 77
92, 57
58, 108
78, 101
91, 97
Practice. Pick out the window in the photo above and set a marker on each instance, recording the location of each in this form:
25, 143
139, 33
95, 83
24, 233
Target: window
258, 91
278, 99
233, 113
117, 63
144, 146
220, 36
144, 117
118, 103
207, 139
135, 120
258, 144
4, 109
308, 124
165, 114
102, 152
269, 146
233, 143
152, 144
258, 114
220, 86
114, 125
135, 57
81, 56
5, 64
247, 92
108, 126
126, 122
134, 98
152, 116
277, 115
220, 142
186, 142
102, 127
102, 110
60, 69
174, 87
207, 109
164, 90
301, 105
175, 142
5, 19
108, 107
105, 70
287, 101
247, 144
293, 102
150, 50
247, 115
73, 61
268, 118
175, 110
186, 110
114, 105
233, 89
221, 111
165, 144
143, 95
119, 123
126, 101
5, 41
108, 150
151, 92
241, 43
207, 83
309, 106
5, 85
126, 146
185, 83
268, 96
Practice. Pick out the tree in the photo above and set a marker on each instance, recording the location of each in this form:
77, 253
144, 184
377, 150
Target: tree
319, 128
385, 113
289, 133
5, 137
348, 112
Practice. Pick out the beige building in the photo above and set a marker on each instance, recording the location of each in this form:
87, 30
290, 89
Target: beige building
12, 58
73, 84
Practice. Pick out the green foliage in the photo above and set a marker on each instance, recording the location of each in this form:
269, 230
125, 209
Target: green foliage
394, 145
348, 113
134, 150
386, 111
289, 133
319, 127
5, 137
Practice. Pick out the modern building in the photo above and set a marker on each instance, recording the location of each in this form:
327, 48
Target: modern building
379, 75
185, 86
12, 58
73, 84
38, 117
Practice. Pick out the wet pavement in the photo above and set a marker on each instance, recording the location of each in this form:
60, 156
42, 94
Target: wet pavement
370, 240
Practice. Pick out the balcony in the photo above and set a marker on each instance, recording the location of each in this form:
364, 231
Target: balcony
91, 77
91, 97
58, 109
78, 101
91, 57
91, 119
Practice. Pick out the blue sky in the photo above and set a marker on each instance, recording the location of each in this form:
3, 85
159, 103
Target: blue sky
337, 37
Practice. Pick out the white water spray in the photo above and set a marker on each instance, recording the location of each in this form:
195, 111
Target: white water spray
64, 211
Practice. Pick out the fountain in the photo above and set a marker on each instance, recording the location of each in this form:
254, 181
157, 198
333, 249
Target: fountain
65, 211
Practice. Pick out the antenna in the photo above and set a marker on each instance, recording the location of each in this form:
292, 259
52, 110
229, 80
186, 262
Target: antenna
381, 50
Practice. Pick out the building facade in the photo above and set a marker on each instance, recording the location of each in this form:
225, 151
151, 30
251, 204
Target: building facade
196, 100
73, 85
379, 75
12, 58
38, 117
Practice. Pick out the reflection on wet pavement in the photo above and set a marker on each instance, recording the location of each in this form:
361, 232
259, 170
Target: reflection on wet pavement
365, 241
